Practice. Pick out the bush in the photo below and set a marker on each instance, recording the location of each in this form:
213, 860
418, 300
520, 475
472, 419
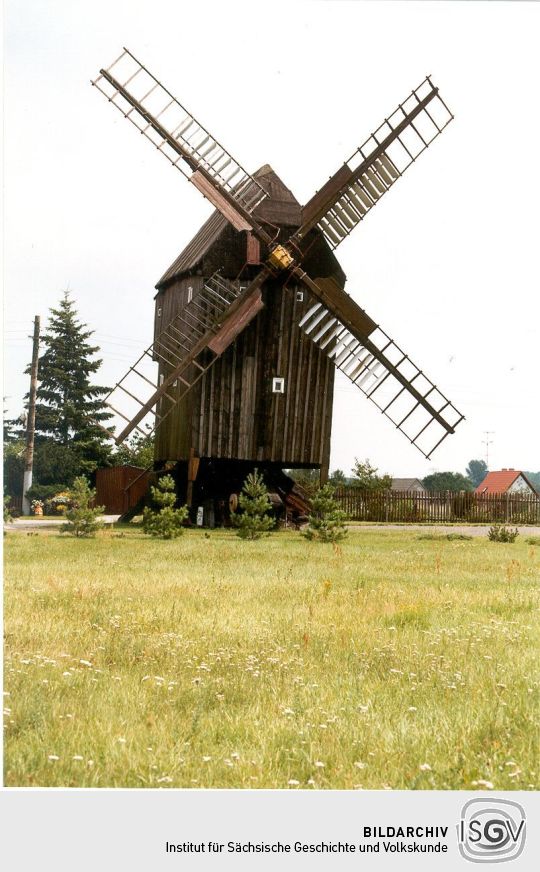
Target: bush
164, 521
326, 521
44, 492
496, 533
533, 540
83, 519
7, 514
441, 537
253, 519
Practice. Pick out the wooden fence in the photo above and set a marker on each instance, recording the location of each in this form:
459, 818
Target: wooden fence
438, 508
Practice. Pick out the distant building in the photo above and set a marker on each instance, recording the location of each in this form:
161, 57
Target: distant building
506, 481
408, 484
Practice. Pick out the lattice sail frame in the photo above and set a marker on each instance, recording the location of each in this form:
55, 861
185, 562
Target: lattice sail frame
172, 348
175, 132
386, 168
387, 376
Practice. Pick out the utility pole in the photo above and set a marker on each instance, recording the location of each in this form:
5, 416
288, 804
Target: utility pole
487, 442
31, 423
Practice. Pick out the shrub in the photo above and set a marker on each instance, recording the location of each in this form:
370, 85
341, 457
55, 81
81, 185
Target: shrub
441, 537
253, 520
163, 521
44, 492
326, 520
533, 540
498, 533
83, 518
7, 514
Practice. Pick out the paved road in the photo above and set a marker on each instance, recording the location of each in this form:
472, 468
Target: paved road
27, 524
35, 524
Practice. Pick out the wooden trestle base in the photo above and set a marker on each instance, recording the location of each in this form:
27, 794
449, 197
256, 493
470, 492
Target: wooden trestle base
213, 495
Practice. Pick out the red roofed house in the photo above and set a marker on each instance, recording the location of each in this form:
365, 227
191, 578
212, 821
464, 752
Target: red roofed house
506, 481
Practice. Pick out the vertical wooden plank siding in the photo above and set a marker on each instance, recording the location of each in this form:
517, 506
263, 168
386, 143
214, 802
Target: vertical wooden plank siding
232, 412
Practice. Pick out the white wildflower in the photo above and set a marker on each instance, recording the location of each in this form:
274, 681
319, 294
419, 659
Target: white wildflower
425, 767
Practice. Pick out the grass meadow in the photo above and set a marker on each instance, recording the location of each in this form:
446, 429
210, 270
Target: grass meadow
388, 662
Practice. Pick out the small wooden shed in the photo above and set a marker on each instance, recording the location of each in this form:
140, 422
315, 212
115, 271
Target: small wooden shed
120, 488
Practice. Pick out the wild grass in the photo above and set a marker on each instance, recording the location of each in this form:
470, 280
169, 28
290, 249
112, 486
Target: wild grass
385, 662
439, 537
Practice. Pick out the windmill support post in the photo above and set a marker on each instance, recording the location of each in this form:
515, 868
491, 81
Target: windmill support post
31, 423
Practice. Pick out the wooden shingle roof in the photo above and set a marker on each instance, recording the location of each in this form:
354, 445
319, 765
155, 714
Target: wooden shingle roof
280, 207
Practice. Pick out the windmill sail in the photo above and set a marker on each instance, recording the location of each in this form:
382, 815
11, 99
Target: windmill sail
374, 167
376, 365
185, 350
183, 140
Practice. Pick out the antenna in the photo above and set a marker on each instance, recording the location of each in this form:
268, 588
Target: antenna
487, 442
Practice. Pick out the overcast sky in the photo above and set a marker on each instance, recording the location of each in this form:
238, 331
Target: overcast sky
447, 263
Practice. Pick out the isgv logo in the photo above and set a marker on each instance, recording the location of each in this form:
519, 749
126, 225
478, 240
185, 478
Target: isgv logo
491, 830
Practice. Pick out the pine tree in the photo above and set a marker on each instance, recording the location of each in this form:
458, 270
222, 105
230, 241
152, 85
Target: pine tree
82, 517
253, 520
326, 520
164, 521
68, 404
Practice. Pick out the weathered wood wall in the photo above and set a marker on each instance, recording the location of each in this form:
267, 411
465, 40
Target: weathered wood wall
232, 412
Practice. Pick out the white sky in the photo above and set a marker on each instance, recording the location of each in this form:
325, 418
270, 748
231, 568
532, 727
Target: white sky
447, 263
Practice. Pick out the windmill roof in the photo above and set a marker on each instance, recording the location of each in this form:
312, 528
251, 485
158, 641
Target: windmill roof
406, 484
280, 207
499, 481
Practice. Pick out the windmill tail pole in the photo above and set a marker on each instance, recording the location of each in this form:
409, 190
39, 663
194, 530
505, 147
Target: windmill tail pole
31, 423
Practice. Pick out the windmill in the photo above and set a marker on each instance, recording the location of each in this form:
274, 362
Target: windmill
252, 319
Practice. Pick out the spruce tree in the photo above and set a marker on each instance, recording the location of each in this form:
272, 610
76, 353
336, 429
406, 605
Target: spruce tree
253, 520
68, 404
164, 521
326, 519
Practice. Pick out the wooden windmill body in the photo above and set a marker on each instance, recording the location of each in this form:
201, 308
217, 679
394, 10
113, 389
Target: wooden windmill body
267, 401
252, 318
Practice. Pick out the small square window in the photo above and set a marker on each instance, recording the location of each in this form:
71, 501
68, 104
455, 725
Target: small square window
299, 296
189, 294
278, 385
242, 288
159, 312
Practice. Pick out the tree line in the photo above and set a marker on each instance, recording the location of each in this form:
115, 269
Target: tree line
365, 476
